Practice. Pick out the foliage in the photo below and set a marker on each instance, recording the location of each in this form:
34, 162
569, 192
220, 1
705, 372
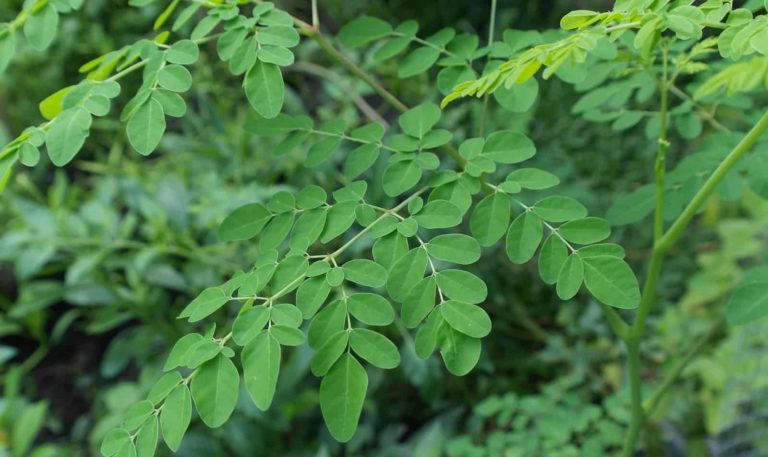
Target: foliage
381, 230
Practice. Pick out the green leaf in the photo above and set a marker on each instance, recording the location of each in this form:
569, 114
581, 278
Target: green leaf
427, 335
419, 302
205, 304
215, 389
400, 176
551, 258
633, 207
418, 61
26, 426
462, 286
176, 416
183, 52
365, 272
335, 277
287, 335
328, 321
244, 223
265, 89
506, 146
311, 295
611, 281
340, 217
459, 351
439, 214
523, 237
113, 441
329, 353
419, 120
40, 28
137, 414
455, 248
519, 98
748, 303
533, 178
342, 393
363, 30
7, 50
311, 197
559, 209
490, 219
360, 160
146, 127
276, 231
175, 78
163, 387
406, 272
249, 324
178, 355
576, 19
201, 352
585, 231
570, 277
469, 319
261, 366
602, 249
278, 35
67, 134
370, 309
375, 348
146, 438
288, 272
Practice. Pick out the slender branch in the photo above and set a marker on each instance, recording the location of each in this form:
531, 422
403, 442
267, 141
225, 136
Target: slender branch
744, 146
615, 321
636, 398
486, 98
653, 401
315, 16
710, 117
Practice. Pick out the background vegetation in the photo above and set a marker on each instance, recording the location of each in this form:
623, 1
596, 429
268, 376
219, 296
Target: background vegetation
97, 260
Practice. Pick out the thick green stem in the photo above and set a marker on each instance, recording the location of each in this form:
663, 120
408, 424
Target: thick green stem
635, 335
636, 397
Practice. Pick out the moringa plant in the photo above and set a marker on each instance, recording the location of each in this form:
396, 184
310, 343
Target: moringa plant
415, 207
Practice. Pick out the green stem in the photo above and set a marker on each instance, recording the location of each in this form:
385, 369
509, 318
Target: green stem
653, 401
491, 26
636, 398
635, 334
712, 182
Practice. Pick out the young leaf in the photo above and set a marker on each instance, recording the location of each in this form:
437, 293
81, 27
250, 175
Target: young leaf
523, 237
559, 209
462, 286
176, 416
205, 304
146, 127
261, 366
329, 353
406, 272
459, 351
362, 31
490, 219
439, 214
371, 309
570, 277
585, 231
419, 302
244, 223
67, 134
342, 393
454, 247
375, 348
265, 89
469, 319
419, 120
551, 258
215, 389
365, 272
611, 281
